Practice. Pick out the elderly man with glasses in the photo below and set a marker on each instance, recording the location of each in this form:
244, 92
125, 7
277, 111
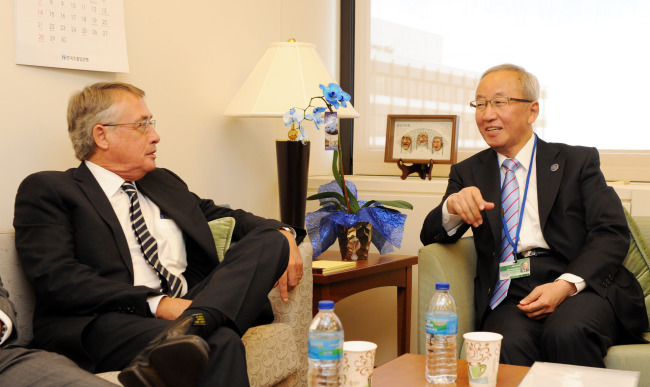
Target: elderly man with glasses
123, 262
550, 235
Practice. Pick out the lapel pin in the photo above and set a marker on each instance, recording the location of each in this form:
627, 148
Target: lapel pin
554, 167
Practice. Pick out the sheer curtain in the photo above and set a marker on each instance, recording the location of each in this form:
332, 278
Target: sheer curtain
426, 56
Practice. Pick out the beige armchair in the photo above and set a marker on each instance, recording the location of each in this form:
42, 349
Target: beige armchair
276, 354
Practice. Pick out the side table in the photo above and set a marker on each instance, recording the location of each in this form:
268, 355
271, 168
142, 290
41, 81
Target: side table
377, 271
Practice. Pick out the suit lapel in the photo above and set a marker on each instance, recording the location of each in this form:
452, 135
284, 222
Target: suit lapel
487, 177
97, 198
550, 169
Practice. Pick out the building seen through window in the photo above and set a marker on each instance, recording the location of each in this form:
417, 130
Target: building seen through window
425, 57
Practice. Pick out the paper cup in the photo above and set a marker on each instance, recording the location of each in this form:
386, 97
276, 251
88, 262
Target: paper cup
482, 350
358, 363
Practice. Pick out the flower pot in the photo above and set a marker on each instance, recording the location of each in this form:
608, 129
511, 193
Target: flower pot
354, 242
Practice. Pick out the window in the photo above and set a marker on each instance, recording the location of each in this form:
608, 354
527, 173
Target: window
426, 57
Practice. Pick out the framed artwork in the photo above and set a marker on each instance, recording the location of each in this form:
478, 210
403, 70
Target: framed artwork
420, 139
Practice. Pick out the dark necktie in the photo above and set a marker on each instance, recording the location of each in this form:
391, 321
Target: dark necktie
510, 208
170, 284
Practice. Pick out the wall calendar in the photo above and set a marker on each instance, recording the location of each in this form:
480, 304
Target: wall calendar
73, 34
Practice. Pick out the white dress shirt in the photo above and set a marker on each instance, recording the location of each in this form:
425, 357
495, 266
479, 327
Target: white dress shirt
530, 235
171, 246
6, 321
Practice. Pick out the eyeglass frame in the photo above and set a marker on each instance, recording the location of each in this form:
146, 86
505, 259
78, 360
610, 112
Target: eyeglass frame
138, 125
489, 101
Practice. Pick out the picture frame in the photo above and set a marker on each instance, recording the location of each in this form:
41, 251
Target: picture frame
410, 138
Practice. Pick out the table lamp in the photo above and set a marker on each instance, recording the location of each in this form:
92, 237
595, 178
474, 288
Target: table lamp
287, 76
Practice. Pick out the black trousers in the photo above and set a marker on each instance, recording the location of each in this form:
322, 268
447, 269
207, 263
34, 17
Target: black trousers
578, 332
238, 288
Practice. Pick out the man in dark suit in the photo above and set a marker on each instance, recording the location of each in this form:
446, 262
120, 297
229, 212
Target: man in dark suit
30, 367
123, 261
574, 299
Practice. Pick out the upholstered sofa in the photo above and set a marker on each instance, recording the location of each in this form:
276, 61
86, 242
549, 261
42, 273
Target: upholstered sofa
276, 354
456, 264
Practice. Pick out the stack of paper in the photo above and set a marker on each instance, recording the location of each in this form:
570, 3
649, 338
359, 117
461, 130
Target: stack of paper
327, 267
543, 374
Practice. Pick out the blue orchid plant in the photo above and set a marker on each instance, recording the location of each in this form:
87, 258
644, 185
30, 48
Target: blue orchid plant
338, 199
333, 96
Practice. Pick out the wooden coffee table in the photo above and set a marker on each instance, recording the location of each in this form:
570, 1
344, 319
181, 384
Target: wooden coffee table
376, 271
408, 370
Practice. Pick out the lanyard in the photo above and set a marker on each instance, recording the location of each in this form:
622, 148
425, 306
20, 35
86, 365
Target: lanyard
523, 204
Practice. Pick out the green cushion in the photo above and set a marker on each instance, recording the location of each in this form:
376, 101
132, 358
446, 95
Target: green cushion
638, 258
222, 229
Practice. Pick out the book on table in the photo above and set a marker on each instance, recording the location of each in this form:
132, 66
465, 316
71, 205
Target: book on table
327, 267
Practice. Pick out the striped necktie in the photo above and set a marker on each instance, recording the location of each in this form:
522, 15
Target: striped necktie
169, 283
510, 208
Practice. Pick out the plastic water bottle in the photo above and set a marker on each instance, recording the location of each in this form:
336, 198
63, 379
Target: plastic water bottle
325, 346
441, 328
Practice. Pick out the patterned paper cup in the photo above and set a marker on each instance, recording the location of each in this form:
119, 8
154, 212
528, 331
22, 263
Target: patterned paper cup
358, 363
482, 350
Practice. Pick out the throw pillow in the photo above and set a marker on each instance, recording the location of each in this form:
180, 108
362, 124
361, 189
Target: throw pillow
222, 229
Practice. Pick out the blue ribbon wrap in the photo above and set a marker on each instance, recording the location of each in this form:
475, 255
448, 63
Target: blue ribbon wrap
323, 224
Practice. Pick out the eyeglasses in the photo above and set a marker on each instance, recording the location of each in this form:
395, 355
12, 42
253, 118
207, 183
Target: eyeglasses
497, 102
141, 126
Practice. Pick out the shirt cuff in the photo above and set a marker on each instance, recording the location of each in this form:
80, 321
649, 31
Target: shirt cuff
450, 222
153, 303
7, 326
574, 279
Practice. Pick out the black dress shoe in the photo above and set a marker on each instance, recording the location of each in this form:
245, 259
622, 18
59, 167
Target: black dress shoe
177, 357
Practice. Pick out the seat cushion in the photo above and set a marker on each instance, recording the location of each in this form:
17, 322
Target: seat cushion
638, 258
271, 354
111, 377
631, 357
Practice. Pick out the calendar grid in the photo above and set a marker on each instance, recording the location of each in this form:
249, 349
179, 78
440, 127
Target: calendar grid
78, 34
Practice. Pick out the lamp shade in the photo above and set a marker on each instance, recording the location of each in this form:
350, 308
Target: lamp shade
287, 76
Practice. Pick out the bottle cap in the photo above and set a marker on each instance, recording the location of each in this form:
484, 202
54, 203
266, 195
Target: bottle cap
327, 305
442, 286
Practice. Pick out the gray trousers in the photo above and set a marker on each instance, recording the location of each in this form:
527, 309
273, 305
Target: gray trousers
29, 367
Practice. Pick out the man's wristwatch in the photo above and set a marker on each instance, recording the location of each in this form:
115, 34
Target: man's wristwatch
290, 229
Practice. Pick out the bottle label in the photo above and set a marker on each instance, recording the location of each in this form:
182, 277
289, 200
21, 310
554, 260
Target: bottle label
441, 325
331, 349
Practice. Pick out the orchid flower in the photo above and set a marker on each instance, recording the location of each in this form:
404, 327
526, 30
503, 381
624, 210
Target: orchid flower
316, 116
293, 116
334, 95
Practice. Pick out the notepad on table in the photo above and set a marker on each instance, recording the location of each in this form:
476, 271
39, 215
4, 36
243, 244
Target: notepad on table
327, 267
544, 374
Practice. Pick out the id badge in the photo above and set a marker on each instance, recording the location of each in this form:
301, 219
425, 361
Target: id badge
514, 269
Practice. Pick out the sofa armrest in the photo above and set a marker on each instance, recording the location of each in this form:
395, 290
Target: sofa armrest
297, 312
453, 263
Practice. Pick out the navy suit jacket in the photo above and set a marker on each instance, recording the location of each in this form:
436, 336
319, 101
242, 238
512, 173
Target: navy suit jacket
75, 253
581, 218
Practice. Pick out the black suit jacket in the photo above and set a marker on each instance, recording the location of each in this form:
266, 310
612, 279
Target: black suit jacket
75, 253
581, 218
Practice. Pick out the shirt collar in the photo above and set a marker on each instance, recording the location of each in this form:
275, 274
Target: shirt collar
524, 155
109, 181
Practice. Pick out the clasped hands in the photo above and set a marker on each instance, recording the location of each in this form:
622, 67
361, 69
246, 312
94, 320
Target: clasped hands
544, 299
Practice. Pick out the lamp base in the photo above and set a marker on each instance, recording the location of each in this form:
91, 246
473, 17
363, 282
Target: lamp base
293, 170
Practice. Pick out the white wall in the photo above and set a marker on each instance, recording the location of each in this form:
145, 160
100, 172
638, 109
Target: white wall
190, 58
